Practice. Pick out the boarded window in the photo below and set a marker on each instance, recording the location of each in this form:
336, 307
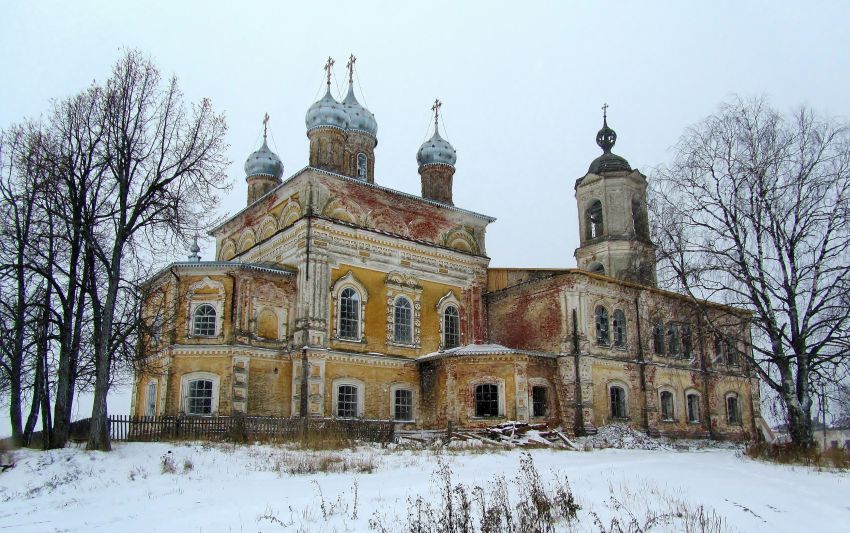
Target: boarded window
403, 404
487, 400
150, 399
539, 401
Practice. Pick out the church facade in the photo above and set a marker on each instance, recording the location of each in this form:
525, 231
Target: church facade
333, 296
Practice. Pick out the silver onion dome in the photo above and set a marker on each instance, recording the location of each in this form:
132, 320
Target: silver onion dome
327, 112
359, 118
264, 162
436, 151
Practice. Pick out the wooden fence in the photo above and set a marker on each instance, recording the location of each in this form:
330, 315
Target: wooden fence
247, 428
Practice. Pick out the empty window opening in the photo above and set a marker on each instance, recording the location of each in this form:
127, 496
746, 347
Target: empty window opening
539, 405
594, 220
362, 166
658, 338
150, 404
733, 412
618, 402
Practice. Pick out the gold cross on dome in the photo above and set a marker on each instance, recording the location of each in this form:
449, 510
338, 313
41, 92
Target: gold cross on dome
605, 111
328, 66
350, 67
265, 126
436, 109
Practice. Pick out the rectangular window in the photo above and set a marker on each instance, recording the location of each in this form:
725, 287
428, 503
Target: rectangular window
487, 400
200, 397
403, 404
346, 402
538, 401
666, 406
150, 400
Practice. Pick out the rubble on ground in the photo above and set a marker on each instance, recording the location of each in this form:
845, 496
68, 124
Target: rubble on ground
622, 437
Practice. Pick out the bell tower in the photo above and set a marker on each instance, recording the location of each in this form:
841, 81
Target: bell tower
613, 222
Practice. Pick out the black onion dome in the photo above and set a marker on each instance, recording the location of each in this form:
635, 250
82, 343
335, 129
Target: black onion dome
608, 161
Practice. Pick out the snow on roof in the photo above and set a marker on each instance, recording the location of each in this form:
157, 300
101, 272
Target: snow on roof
479, 349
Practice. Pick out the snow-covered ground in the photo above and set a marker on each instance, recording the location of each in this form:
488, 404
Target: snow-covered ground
251, 488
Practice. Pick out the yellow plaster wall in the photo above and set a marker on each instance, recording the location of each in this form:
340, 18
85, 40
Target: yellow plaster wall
376, 314
377, 381
269, 392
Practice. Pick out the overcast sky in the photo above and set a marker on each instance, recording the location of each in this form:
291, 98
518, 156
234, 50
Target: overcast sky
522, 83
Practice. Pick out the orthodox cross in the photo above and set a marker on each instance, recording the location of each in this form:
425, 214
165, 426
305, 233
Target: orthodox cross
350, 67
436, 109
605, 111
265, 126
328, 66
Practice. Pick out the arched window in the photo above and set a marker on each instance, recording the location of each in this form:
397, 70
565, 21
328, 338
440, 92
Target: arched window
349, 314
362, 166
639, 219
602, 336
692, 400
673, 341
487, 400
687, 343
203, 321
199, 399
667, 412
619, 327
451, 327
733, 411
658, 338
593, 219
596, 267
618, 402
403, 321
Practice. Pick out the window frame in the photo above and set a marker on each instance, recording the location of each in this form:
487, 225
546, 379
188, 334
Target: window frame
356, 304
359, 400
444, 318
534, 401
394, 390
479, 392
659, 340
672, 414
151, 399
361, 157
348, 280
733, 416
697, 412
594, 220
619, 325
215, 319
624, 402
397, 324
602, 324
185, 385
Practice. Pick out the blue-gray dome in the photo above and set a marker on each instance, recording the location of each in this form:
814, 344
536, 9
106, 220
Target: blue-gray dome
436, 151
264, 162
326, 112
359, 118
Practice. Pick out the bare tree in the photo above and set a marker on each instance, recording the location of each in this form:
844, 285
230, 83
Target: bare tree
754, 212
165, 170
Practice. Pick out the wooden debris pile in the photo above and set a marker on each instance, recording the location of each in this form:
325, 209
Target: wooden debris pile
511, 434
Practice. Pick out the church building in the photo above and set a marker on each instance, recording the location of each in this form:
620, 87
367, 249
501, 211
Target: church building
334, 296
